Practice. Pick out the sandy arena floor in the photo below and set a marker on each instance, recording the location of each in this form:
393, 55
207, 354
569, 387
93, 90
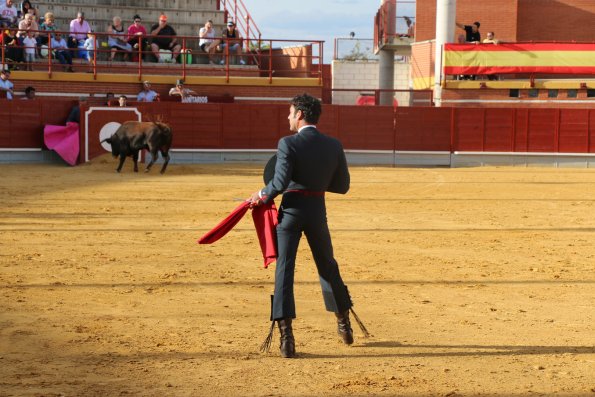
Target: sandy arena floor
475, 281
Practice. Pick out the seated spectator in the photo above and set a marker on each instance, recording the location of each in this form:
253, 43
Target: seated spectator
164, 39
6, 85
491, 40
29, 48
207, 42
13, 52
27, 8
29, 93
90, 48
79, 28
62, 52
232, 38
109, 97
48, 25
147, 94
118, 39
122, 101
8, 14
137, 35
26, 24
182, 92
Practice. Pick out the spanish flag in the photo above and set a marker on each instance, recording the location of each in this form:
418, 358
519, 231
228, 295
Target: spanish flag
545, 58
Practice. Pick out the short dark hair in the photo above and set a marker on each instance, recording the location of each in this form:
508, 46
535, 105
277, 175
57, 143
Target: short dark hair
136, 17
477, 24
310, 107
29, 89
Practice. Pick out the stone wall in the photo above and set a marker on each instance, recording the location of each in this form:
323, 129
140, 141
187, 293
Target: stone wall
362, 76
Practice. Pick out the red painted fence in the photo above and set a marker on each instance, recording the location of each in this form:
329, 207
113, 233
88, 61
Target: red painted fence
259, 126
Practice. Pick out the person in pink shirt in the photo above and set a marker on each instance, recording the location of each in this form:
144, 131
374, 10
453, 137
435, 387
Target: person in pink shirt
79, 28
134, 31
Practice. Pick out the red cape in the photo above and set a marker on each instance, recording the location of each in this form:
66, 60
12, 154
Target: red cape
265, 223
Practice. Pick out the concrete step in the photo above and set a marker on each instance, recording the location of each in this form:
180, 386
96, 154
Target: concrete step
84, 5
98, 17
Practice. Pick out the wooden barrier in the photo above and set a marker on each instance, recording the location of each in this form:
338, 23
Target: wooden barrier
237, 126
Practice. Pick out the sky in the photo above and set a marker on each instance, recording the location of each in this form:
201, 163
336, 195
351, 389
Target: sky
314, 19
318, 19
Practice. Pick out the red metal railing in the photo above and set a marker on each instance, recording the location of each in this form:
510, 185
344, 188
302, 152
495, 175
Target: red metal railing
273, 58
403, 26
236, 10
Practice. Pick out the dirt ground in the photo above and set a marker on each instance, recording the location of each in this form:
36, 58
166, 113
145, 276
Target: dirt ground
472, 281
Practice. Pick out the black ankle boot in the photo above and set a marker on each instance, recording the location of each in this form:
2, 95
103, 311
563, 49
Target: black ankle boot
287, 341
344, 327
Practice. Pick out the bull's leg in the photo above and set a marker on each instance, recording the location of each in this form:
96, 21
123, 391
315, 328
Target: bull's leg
153, 158
165, 156
122, 159
135, 160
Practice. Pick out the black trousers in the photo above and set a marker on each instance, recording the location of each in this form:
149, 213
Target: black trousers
299, 213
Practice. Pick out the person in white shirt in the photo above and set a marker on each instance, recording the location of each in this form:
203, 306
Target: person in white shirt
5, 84
30, 45
207, 41
90, 47
147, 94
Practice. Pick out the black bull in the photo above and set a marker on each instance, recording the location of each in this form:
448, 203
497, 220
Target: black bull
133, 136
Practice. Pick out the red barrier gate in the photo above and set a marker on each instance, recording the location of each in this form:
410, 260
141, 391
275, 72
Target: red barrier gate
259, 126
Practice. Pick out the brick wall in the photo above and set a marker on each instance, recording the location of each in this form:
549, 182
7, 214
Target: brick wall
559, 20
498, 16
516, 20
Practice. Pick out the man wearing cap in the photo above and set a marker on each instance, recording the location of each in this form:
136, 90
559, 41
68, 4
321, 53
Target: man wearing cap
163, 39
179, 90
5, 85
231, 37
147, 94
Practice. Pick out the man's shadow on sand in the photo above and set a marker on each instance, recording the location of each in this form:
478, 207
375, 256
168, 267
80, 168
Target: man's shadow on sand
474, 350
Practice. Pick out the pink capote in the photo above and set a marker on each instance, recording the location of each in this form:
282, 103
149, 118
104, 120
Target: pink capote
64, 140
265, 223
